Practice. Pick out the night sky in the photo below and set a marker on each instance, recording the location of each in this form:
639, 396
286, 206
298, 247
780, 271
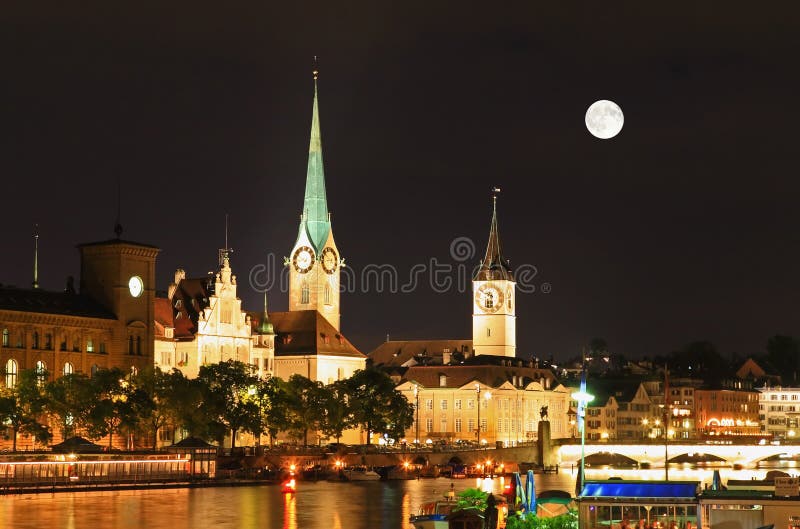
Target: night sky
683, 227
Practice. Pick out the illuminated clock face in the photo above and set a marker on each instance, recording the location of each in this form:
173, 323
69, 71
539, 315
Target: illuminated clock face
303, 259
135, 286
489, 298
329, 260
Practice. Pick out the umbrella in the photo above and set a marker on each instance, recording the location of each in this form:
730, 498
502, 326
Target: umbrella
530, 491
716, 481
520, 499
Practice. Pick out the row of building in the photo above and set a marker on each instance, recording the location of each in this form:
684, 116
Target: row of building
464, 390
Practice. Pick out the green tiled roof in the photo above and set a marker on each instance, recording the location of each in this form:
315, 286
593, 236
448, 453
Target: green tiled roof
315, 204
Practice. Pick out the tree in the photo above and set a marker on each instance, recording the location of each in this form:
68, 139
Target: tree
336, 410
229, 399
68, 399
274, 407
376, 405
115, 404
22, 407
783, 352
156, 411
305, 399
184, 404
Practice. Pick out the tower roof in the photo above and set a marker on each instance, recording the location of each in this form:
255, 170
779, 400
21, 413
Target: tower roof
315, 219
265, 326
494, 266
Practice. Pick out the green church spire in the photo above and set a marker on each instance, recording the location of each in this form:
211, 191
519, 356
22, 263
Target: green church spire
265, 327
315, 218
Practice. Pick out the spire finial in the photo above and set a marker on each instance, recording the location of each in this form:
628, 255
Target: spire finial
36, 256
265, 302
224, 253
495, 192
117, 224
315, 71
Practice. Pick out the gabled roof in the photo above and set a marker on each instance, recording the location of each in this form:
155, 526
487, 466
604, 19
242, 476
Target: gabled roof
65, 303
191, 297
603, 389
399, 352
489, 375
305, 332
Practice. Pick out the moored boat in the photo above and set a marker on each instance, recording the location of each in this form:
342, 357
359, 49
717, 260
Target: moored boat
360, 473
433, 515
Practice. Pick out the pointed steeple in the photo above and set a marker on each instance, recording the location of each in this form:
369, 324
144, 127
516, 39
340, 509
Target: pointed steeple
36, 258
265, 327
315, 218
494, 266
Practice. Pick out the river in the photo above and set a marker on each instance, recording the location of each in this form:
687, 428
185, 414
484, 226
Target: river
316, 505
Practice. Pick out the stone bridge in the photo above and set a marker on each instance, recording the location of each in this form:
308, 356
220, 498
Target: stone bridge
654, 453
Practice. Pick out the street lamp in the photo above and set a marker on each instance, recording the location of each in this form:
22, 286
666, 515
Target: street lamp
478, 404
416, 398
666, 441
583, 398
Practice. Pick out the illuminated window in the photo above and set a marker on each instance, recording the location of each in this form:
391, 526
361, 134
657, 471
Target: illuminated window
89, 346
443, 404
429, 404
5, 337
457, 404
304, 294
443, 381
48, 341
429, 425
68, 369
11, 373
41, 371
458, 425
327, 294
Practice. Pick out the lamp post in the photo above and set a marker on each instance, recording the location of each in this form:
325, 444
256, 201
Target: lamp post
478, 404
416, 408
583, 399
666, 443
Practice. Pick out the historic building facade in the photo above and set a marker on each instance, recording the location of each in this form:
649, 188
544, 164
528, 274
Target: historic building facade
107, 321
494, 330
779, 411
477, 390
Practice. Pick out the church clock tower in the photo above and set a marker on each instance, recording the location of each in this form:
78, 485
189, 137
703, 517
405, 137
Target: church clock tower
314, 264
494, 329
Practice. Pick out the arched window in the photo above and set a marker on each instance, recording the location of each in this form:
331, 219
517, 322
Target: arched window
130, 345
89, 346
134, 371
41, 371
304, 294
68, 369
5, 337
11, 373
35, 339
139, 345
327, 294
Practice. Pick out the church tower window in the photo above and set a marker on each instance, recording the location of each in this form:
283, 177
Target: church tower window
304, 294
327, 294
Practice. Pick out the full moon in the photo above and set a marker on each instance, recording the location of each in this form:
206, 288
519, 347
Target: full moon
604, 119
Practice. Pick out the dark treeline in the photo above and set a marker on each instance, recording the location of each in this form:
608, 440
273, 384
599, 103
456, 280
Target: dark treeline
224, 399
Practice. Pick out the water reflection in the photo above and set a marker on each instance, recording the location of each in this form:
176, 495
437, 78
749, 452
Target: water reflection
322, 505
